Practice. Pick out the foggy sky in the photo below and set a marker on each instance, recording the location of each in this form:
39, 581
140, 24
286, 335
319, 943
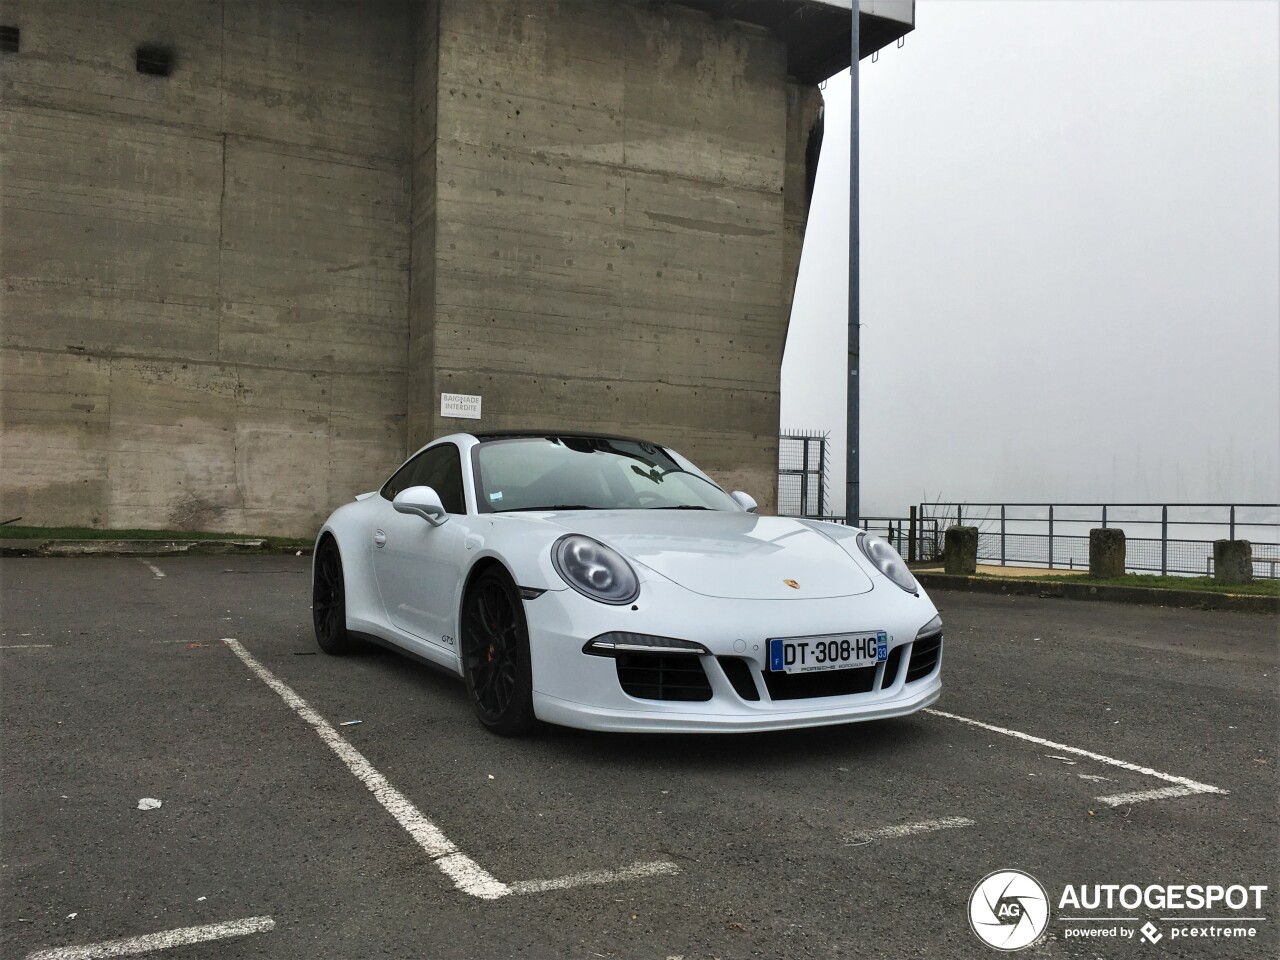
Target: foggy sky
1070, 257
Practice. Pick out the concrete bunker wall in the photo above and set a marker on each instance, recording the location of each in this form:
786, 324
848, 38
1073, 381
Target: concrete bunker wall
233, 295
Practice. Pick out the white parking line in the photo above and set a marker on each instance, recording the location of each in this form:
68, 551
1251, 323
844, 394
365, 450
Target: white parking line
131, 946
153, 568
1184, 787
1160, 793
25, 646
467, 875
908, 829
638, 871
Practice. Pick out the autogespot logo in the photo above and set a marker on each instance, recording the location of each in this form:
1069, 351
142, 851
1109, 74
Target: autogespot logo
1008, 910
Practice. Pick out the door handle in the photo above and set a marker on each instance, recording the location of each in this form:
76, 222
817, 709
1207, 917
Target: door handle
379, 538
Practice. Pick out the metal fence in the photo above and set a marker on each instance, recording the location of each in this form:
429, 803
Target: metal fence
802, 474
1166, 538
802, 492
916, 538
1173, 538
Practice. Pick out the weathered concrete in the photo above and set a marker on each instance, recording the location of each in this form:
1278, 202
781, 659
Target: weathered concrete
620, 200
232, 296
130, 548
1084, 590
205, 275
960, 550
1106, 552
804, 143
1232, 561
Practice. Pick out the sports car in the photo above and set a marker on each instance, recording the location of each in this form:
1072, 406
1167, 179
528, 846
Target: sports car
607, 583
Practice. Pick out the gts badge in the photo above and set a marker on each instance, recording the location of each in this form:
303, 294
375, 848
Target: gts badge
447, 639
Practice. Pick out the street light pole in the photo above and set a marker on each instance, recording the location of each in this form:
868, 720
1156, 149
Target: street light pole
852, 507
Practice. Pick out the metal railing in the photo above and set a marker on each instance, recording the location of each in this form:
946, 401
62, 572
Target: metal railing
1165, 538
802, 474
915, 539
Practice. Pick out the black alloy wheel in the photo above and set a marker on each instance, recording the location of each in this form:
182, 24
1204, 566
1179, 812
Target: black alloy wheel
329, 601
495, 651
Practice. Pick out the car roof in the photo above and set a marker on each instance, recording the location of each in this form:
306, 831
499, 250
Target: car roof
584, 434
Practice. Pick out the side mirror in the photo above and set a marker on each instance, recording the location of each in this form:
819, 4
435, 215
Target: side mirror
743, 500
421, 502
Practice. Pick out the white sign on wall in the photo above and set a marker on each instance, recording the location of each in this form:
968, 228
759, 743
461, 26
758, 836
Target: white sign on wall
460, 405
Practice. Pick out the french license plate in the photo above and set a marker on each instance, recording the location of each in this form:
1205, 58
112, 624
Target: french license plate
840, 651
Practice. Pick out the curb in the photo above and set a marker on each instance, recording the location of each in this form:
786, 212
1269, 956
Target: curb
1009, 586
139, 548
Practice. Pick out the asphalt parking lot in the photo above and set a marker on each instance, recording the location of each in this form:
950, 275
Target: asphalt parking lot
1085, 743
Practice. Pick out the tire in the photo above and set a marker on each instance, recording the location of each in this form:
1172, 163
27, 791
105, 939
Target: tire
329, 601
495, 655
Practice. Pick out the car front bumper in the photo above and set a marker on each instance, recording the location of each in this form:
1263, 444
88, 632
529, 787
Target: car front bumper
576, 689
681, 718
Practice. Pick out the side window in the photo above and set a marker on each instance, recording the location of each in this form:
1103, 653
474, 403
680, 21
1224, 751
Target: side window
439, 468
401, 479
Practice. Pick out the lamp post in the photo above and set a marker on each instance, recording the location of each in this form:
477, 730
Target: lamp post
852, 506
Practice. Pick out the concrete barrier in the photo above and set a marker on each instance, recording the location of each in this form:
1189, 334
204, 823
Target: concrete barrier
960, 551
1232, 561
1082, 589
1106, 552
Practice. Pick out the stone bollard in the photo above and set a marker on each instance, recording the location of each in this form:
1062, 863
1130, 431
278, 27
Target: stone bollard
1106, 552
960, 551
1232, 561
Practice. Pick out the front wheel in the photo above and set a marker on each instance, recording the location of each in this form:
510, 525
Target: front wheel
495, 655
329, 601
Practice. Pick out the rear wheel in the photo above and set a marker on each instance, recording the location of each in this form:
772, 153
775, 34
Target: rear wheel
329, 601
495, 655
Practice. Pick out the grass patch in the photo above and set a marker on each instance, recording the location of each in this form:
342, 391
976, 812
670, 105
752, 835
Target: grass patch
15, 532
1259, 588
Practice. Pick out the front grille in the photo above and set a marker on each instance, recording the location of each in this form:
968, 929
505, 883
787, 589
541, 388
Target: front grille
739, 673
924, 657
831, 683
657, 676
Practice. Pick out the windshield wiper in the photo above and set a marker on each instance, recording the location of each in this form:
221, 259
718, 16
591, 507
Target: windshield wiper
683, 506
554, 506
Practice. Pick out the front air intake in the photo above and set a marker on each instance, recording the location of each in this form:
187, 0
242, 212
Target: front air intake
739, 671
892, 666
831, 683
925, 653
658, 676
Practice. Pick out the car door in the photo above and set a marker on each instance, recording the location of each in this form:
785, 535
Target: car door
418, 565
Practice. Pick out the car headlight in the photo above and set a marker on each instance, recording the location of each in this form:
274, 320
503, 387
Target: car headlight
594, 570
930, 628
885, 559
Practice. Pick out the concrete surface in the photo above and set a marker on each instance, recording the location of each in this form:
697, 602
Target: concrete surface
1106, 552
232, 296
205, 276
960, 550
118, 687
138, 548
614, 204
1085, 589
1232, 561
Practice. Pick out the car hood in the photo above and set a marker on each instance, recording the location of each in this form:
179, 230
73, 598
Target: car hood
739, 556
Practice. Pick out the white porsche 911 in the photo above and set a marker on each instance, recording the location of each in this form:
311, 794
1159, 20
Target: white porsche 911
607, 583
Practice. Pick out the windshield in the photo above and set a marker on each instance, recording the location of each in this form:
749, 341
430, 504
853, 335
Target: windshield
589, 473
